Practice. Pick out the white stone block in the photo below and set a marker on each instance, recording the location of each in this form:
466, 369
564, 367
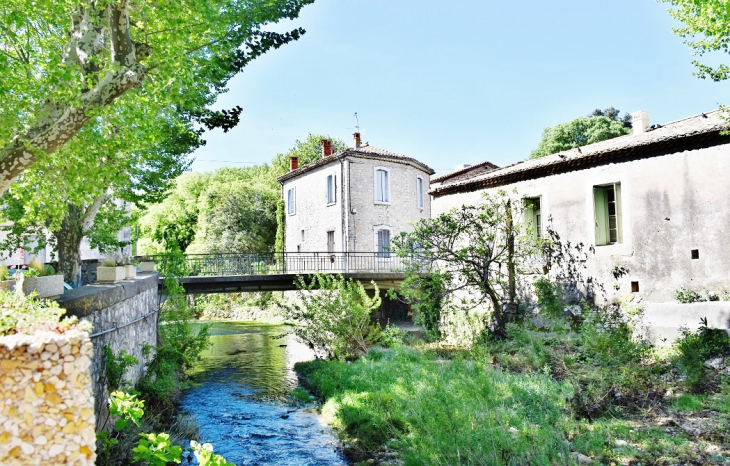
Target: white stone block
46, 287
109, 274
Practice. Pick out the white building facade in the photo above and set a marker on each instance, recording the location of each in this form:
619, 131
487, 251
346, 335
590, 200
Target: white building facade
641, 215
355, 200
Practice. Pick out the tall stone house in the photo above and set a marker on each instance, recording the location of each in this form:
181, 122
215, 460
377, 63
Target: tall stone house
641, 215
353, 201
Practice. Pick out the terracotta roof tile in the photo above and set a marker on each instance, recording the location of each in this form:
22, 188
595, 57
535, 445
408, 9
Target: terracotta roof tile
705, 124
362, 151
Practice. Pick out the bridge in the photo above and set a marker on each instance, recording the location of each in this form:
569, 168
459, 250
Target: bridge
277, 271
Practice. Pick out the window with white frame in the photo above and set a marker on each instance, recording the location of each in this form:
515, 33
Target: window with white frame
607, 209
383, 243
331, 189
419, 192
533, 215
290, 202
330, 241
382, 186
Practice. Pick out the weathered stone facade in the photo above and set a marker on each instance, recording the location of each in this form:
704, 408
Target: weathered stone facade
115, 305
46, 400
673, 216
354, 216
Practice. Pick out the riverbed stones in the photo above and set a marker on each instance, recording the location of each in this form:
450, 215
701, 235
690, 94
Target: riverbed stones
46, 401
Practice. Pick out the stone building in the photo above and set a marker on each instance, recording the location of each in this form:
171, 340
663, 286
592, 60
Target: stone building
642, 214
355, 200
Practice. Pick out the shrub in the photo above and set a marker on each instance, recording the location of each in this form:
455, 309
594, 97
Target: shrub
615, 373
115, 366
425, 294
694, 348
392, 336
549, 297
180, 348
156, 450
686, 296
333, 316
21, 314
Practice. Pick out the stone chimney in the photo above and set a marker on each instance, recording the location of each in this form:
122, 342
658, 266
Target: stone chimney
293, 163
640, 121
357, 140
326, 147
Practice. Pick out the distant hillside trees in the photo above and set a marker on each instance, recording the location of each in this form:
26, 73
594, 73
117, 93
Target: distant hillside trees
228, 210
600, 125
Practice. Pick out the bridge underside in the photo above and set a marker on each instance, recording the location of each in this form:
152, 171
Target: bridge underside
275, 282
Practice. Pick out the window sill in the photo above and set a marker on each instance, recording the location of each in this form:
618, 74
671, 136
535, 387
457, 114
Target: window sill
290, 214
617, 249
331, 203
381, 203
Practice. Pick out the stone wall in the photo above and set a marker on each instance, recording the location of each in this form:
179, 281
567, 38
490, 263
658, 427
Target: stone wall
116, 305
396, 216
355, 189
670, 208
46, 399
88, 271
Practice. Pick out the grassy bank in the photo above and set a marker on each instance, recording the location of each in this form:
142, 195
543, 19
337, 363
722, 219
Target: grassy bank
539, 398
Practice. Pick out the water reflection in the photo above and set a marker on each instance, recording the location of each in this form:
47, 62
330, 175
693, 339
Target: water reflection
241, 407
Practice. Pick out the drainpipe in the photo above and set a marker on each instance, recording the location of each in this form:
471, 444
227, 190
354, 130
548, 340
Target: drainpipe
343, 220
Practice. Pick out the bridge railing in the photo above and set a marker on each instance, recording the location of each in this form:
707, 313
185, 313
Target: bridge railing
269, 263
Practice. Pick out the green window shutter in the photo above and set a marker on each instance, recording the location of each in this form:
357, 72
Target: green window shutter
601, 215
619, 214
530, 213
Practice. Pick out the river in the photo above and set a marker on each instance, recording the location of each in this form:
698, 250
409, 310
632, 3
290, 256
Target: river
242, 405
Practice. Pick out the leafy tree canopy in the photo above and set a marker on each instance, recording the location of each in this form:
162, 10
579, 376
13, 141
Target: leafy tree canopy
65, 62
479, 251
308, 151
580, 132
706, 29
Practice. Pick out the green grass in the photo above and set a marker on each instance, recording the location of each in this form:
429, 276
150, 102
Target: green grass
689, 402
442, 413
510, 403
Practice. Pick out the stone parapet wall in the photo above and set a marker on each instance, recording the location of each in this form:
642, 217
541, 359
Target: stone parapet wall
46, 400
129, 306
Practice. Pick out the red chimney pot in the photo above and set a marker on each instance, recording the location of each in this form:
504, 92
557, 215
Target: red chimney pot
293, 163
326, 147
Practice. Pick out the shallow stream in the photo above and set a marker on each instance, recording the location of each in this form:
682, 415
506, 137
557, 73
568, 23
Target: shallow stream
242, 405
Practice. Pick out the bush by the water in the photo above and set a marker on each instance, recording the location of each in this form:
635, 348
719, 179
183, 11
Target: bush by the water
541, 396
179, 349
333, 316
442, 412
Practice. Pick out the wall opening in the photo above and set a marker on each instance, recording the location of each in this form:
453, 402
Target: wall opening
695, 254
634, 287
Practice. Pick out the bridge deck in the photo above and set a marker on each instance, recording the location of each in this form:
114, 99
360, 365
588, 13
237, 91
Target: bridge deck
274, 282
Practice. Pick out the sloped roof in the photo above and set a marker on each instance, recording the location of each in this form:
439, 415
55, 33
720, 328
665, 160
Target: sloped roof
368, 152
467, 172
689, 133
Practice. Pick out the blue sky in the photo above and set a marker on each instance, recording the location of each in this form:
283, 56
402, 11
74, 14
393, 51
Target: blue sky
460, 81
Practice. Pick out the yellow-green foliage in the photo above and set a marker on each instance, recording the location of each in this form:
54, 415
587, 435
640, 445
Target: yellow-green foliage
333, 315
462, 411
21, 314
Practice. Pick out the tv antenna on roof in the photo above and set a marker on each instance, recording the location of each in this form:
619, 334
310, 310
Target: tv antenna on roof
357, 123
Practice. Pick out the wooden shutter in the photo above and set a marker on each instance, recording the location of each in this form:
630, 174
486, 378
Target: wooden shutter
330, 189
601, 215
619, 214
290, 201
379, 185
530, 219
